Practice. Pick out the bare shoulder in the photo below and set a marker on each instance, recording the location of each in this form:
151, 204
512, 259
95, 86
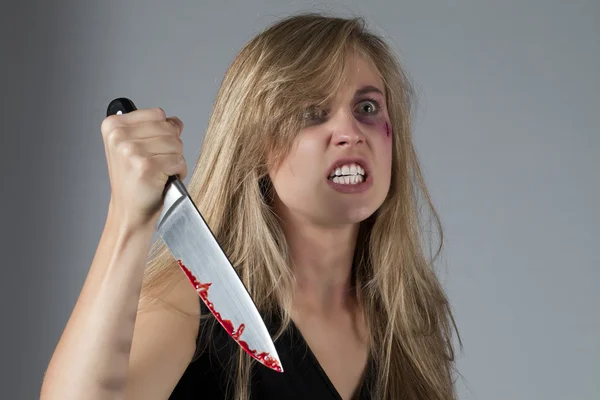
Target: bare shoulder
164, 339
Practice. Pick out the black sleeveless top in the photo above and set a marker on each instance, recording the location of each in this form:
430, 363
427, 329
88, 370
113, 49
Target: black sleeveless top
209, 377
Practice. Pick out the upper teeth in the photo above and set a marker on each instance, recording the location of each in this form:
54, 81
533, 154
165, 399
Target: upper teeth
348, 174
348, 169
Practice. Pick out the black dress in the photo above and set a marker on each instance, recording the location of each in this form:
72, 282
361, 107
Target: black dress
206, 378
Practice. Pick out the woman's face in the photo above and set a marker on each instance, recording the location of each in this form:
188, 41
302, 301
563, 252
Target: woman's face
339, 168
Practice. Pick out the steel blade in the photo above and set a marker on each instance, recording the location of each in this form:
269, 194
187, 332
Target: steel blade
201, 258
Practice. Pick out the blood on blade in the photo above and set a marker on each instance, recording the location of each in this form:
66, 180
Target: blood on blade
202, 290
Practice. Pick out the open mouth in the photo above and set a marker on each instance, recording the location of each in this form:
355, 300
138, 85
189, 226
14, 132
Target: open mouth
348, 174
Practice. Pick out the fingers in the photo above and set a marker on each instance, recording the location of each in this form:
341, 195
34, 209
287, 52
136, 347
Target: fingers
169, 165
153, 119
143, 148
133, 117
151, 146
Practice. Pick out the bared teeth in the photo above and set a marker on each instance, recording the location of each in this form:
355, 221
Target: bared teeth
348, 179
349, 170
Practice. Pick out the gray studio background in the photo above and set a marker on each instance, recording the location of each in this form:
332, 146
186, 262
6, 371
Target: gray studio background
507, 130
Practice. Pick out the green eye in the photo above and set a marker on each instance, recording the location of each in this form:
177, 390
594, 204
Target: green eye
368, 107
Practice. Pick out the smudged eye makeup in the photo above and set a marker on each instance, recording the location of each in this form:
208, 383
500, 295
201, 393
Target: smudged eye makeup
314, 115
369, 113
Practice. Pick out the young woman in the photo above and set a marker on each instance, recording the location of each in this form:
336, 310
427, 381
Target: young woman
310, 182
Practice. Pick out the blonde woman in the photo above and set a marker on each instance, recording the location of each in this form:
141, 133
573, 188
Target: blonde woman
309, 180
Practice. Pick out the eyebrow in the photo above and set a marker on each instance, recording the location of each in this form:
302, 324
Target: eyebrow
367, 89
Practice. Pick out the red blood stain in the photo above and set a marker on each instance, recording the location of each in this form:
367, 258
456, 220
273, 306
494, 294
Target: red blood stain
202, 289
387, 129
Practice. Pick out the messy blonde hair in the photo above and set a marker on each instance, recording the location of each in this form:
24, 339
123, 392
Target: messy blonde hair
294, 64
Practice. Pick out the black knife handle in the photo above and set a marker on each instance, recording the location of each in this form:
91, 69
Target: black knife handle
123, 105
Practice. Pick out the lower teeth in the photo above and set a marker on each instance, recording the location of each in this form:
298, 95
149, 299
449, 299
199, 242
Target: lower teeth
348, 180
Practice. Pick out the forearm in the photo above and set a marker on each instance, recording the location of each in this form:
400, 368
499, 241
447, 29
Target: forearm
92, 356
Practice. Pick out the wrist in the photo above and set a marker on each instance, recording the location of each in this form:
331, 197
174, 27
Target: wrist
130, 222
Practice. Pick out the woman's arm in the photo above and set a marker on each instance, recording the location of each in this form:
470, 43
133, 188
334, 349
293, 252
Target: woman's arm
109, 348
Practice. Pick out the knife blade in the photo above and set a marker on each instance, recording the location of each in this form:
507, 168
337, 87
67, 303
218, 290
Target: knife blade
202, 260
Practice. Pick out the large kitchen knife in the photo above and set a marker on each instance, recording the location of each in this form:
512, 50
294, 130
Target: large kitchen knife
193, 245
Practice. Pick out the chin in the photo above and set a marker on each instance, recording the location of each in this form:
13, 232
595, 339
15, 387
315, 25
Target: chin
352, 215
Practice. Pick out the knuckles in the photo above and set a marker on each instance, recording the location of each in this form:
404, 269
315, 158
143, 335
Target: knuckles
158, 113
109, 124
142, 165
117, 133
126, 148
179, 145
115, 136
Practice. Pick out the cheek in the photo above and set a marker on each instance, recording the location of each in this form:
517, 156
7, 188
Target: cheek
381, 125
386, 132
385, 129
294, 177
384, 146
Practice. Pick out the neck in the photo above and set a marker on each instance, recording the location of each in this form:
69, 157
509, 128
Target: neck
322, 258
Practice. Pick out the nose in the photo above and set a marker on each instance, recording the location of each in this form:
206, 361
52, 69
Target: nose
346, 130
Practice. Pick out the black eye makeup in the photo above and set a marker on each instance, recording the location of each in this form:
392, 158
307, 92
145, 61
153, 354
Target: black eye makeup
314, 115
367, 110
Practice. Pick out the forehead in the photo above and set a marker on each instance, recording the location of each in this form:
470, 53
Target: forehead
361, 72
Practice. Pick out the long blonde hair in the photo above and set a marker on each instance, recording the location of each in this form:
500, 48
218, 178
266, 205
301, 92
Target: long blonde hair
294, 64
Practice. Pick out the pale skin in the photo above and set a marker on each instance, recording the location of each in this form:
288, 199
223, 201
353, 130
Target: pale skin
121, 344
318, 218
